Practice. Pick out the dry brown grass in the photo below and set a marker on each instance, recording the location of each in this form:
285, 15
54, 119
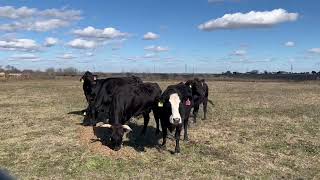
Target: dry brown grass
255, 130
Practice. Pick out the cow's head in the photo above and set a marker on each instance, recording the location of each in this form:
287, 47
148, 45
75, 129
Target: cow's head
174, 101
118, 131
196, 86
175, 105
88, 76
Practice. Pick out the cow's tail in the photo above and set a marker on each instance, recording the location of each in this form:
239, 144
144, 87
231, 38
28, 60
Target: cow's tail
211, 102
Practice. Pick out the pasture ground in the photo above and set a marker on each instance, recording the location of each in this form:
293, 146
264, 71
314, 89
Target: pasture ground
256, 130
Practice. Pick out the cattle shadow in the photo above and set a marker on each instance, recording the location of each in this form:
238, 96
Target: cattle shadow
86, 121
138, 141
80, 113
134, 138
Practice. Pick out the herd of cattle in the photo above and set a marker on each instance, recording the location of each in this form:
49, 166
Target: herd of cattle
112, 102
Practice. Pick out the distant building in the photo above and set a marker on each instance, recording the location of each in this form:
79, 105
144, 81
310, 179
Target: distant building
2, 75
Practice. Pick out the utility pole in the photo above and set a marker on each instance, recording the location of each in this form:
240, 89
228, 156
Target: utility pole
291, 69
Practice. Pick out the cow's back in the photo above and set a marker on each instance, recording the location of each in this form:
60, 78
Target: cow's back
134, 99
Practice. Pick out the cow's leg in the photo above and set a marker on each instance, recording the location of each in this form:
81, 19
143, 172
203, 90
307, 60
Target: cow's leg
205, 104
157, 119
195, 112
177, 136
158, 126
146, 118
87, 120
164, 137
185, 127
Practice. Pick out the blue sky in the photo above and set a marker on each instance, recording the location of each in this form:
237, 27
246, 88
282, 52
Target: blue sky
161, 35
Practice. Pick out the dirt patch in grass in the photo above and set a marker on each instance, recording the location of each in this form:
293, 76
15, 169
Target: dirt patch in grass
96, 145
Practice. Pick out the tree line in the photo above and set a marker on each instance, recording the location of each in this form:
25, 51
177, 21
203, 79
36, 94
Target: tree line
228, 75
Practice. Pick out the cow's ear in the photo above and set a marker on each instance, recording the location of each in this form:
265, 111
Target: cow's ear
104, 125
126, 128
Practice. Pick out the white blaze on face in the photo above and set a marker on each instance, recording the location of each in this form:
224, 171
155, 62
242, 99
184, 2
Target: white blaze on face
175, 101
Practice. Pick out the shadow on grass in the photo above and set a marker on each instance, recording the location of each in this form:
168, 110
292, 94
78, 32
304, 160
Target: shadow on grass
87, 120
77, 112
5, 175
135, 139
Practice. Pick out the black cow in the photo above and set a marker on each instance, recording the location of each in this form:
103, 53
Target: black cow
97, 90
174, 108
131, 100
200, 92
99, 108
89, 83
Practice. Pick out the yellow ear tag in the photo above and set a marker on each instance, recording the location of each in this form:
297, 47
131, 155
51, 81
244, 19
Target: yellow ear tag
160, 104
82, 80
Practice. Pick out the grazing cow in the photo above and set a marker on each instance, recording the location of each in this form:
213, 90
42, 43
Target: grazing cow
174, 108
200, 93
99, 108
131, 100
93, 86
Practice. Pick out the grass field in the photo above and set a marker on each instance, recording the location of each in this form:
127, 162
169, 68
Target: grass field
255, 130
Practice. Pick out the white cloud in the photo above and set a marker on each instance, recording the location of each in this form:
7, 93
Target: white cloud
25, 57
19, 45
67, 56
27, 19
16, 13
47, 25
156, 48
89, 54
39, 26
252, 19
239, 52
314, 50
82, 44
290, 44
149, 55
11, 27
50, 41
106, 33
62, 14
151, 36
25, 12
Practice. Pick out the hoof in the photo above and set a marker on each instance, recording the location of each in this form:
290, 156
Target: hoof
163, 147
177, 152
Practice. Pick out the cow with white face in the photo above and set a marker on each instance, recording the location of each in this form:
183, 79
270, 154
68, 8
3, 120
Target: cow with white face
174, 101
174, 110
